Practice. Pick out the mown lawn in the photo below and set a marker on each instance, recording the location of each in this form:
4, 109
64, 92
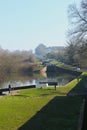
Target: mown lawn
14, 111
41, 109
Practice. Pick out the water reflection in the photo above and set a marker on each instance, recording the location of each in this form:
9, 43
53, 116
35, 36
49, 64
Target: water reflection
59, 79
22, 80
18, 80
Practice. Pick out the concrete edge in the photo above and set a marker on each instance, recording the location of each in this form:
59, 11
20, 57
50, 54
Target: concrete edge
81, 116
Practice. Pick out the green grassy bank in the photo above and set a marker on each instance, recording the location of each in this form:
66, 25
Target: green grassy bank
42, 109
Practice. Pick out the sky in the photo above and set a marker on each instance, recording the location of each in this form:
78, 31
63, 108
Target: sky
26, 23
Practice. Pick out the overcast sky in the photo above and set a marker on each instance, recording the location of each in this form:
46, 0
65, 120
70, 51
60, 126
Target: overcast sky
26, 23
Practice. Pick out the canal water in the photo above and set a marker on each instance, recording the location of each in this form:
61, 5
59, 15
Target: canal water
16, 80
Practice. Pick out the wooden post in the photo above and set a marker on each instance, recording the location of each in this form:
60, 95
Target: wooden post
0, 92
55, 86
9, 86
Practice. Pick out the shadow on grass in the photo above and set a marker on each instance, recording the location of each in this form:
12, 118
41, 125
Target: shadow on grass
61, 113
79, 89
25, 96
40, 93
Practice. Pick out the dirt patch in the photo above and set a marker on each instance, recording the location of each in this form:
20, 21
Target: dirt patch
15, 92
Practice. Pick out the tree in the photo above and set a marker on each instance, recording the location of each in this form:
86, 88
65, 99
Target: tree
78, 31
40, 50
72, 53
15, 61
78, 18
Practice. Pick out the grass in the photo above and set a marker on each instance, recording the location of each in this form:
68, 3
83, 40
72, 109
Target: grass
60, 113
64, 66
41, 109
15, 110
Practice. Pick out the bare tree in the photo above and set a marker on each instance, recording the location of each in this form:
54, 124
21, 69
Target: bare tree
78, 32
78, 19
